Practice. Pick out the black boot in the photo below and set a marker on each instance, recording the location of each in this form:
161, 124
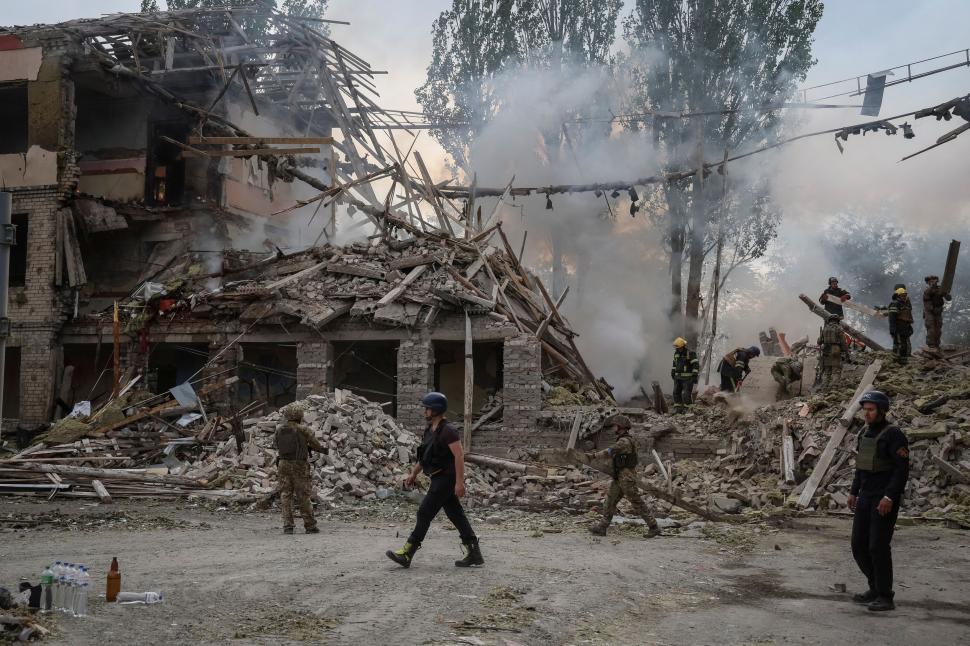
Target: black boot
473, 555
865, 597
882, 604
404, 555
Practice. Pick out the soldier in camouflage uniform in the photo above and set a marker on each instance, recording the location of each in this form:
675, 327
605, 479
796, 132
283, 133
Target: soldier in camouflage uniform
293, 443
933, 300
624, 485
832, 349
786, 371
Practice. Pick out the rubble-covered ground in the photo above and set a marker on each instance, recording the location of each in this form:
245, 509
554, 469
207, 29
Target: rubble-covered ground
233, 578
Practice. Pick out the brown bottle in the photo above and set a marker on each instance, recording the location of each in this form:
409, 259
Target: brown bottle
114, 582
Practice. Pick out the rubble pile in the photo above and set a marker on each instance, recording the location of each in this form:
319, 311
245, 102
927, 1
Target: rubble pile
931, 403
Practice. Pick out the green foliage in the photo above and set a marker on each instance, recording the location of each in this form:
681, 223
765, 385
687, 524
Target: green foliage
299, 8
478, 41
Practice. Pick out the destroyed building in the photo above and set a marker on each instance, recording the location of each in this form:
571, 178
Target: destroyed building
133, 182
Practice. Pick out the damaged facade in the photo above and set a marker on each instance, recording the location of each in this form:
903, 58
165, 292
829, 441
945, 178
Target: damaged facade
131, 184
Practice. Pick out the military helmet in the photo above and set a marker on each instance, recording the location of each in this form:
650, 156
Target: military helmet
621, 421
833, 279
437, 402
876, 397
754, 351
680, 342
929, 278
293, 412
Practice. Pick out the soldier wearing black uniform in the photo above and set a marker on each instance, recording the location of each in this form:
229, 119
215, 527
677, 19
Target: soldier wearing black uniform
882, 467
441, 457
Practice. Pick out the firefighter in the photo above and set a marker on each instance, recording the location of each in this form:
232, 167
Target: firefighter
734, 367
684, 372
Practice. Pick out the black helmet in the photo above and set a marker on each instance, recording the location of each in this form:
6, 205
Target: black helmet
437, 402
833, 279
876, 397
754, 351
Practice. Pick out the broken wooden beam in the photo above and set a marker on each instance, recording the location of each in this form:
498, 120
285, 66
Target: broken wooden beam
503, 465
838, 431
818, 310
574, 431
950, 470
249, 152
102, 492
258, 141
946, 284
787, 453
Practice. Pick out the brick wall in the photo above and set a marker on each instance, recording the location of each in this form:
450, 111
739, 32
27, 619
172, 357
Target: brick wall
415, 377
314, 368
522, 388
680, 448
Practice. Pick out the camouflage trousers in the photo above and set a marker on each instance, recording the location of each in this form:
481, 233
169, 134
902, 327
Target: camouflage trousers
934, 328
625, 486
829, 373
294, 477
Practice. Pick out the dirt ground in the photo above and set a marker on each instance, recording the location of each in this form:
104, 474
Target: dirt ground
232, 577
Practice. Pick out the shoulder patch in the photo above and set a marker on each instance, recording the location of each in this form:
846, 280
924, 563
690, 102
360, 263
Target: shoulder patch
903, 452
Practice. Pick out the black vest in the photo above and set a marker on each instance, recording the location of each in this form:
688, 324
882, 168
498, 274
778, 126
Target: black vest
434, 455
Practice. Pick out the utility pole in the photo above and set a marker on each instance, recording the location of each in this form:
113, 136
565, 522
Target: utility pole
8, 238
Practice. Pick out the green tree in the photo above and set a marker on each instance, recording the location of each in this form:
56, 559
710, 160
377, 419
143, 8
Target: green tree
704, 55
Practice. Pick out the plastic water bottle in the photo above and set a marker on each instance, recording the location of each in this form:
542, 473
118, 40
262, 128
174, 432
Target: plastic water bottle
69, 581
46, 593
81, 600
140, 597
58, 570
83, 585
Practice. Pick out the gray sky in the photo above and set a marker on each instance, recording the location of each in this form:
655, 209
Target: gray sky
854, 37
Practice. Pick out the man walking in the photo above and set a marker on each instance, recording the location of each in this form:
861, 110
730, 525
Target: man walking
293, 443
684, 372
882, 467
623, 453
441, 457
933, 299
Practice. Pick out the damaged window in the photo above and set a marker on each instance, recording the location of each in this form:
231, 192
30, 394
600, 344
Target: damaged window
13, 119
166, 168
18, 253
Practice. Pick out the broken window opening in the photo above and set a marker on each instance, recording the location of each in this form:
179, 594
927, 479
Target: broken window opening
171, 364
11, 384
18, 253
13, 118
449, 374
90, 379
166, 168
267, 373
368, 369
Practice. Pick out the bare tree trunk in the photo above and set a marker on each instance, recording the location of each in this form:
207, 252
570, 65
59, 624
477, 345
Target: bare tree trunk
698, 239
677, 233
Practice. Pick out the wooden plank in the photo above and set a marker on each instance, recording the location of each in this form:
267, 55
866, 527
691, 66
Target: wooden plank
116, 354
574, 432
838, 434
818, 310
392, 295
951, 470
548, 319
660, 465
503, 465
659, 401
250, 152
195, 139
487, 416
102, 492
469, 380
858, 307
432, 197
787, 454
946, 284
